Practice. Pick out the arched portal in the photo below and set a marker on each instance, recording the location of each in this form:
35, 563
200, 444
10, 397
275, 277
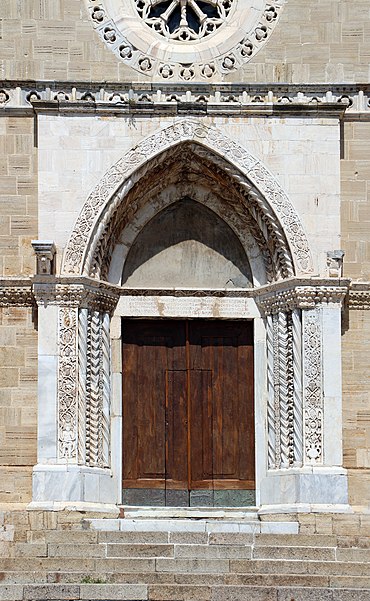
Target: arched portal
257, 282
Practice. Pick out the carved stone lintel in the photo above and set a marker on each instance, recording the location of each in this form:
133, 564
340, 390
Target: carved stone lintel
45, 252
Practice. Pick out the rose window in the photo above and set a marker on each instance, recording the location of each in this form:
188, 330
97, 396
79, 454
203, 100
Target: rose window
184, 19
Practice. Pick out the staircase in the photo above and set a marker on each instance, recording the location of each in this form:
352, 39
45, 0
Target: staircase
141, 559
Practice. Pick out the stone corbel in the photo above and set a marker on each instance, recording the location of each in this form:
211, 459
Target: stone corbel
45, 254
334, 262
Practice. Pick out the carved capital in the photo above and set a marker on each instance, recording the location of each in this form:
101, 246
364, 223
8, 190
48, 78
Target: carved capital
76, 292
299, 294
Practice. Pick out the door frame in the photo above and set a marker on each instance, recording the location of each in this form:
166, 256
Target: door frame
190, 305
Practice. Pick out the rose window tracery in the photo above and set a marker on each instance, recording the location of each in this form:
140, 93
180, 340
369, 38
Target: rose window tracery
184, 40
184, 19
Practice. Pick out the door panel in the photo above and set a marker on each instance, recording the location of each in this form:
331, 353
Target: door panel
150, 349
188, 410
176, 434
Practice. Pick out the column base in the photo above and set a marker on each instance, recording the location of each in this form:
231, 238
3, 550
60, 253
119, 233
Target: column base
54, 484
305, 487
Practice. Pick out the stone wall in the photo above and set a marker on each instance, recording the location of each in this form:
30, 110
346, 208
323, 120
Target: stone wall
319, 41
355, 208
18, 403
18, 336
18, 191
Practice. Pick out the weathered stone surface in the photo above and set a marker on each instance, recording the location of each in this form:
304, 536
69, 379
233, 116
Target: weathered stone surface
129, 592
137, 550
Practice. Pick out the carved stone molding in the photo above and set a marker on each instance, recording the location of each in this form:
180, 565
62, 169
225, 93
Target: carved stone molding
215, 42
169, 98
189, 171
16, 292
290, 294
122, 175
67, 384
84, 386
284, 389
76, 292
359, 296
313, 386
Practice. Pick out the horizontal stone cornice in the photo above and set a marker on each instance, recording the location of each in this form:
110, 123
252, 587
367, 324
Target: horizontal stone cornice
92, 98
81, 291
16, 292
359, 296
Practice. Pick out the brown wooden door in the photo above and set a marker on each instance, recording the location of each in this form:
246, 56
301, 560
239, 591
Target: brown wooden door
188, 419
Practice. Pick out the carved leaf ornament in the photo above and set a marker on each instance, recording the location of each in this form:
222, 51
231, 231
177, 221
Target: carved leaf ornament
184, 39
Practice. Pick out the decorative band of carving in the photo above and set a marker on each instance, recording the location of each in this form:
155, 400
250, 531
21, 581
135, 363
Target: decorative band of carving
302, 297
312, 386
359, 296
100, 296
233, 99
95, 372
84, 386
284, 387
16, 292
271, 406
297, 433
68, 384
119, 175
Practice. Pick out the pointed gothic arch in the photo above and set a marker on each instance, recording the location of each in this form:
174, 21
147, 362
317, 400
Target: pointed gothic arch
272, 216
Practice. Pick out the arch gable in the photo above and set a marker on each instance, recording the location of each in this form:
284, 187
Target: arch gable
211, 138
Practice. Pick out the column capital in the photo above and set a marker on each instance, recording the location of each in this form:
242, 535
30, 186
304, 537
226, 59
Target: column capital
297, 293
81, 292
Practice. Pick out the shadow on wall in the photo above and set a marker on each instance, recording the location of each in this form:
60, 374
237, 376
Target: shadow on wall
187, 245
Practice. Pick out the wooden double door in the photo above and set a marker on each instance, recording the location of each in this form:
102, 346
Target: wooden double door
188, 412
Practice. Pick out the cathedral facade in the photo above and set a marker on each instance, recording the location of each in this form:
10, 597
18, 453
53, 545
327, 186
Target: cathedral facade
185, 254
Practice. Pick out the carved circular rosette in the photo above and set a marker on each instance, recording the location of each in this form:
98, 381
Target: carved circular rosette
184, 40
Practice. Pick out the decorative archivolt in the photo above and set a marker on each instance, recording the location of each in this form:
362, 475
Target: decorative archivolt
223, 158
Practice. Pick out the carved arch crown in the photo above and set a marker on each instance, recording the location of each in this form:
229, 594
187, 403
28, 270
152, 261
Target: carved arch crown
270, 208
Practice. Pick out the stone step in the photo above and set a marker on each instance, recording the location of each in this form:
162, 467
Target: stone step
193, 525
77, 537
220, 513
213, 560
300, 580
177, 592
